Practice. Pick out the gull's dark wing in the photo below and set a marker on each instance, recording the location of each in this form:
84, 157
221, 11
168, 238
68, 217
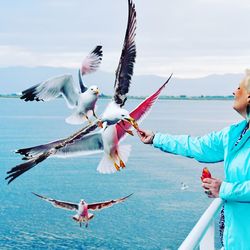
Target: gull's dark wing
33, 161
125, 68
59, 204
106, 204
89, 144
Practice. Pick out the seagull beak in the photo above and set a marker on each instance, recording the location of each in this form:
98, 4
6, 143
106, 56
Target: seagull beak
97, 92
133, 122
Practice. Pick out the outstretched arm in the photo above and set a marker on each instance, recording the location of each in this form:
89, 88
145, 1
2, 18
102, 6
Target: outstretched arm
208, 148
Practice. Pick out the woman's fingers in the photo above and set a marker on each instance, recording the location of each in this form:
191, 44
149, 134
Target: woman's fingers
206, 185
212, 187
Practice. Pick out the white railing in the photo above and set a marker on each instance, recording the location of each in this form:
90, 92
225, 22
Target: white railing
202, 235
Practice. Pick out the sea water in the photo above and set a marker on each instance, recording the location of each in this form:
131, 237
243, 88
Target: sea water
158, 215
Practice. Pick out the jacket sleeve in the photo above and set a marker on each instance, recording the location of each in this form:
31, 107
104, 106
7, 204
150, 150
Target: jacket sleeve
238, 191
208, 148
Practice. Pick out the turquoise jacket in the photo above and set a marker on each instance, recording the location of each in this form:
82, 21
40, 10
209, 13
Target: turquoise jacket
235, 189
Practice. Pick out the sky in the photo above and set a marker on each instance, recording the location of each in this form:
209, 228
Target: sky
191, 38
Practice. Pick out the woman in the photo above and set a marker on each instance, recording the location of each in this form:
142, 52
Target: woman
231, 145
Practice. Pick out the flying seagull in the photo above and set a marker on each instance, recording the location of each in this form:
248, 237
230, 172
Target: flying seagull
82, 102
184, 186
106, 141
82, 208
113, 113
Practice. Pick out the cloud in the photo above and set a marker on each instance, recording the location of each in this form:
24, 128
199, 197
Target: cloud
18, 56
192, 67
190, 37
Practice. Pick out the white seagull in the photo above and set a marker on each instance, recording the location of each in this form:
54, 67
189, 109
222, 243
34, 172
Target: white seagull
83, 102
184, 186
82, 208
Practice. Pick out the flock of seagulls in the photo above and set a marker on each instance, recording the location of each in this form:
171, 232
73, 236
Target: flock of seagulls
104, 134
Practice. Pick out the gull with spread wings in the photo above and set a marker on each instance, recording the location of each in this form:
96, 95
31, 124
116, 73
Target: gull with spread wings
82, 101
82, 208
113, 113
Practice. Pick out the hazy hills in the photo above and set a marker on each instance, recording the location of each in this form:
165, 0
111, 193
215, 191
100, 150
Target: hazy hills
16, 79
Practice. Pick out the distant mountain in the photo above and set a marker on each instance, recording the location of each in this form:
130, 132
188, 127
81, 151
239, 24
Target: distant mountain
16, 79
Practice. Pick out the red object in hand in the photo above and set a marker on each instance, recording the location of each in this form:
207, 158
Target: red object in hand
205, 174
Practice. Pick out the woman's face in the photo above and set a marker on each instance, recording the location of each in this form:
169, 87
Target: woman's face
241, 98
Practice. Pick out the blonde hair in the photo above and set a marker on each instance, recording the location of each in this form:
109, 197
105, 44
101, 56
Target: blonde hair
247, 80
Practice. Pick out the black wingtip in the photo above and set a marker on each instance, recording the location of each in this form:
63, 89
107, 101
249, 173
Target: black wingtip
22, 168
169, 77
30, 94
98, 51
38, 195
129, 195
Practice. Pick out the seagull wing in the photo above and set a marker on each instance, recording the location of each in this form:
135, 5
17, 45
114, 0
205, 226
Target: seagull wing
31, 152
32, 162
53, 88
140, 111
106, 204
90, 64
86, 145
59, 204
125, 68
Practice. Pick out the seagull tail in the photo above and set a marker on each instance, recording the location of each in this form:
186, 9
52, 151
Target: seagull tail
106, 165
76, 119
78, 218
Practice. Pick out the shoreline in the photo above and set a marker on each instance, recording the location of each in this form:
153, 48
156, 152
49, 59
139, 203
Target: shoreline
181, 97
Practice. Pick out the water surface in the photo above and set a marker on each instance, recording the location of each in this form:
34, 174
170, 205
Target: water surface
158, 216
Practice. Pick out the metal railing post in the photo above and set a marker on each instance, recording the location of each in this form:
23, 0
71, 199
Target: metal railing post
203, 232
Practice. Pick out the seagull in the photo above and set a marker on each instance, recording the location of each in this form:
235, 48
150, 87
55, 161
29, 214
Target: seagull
82, 102
82, 208
184, 186
113, 113
86, 142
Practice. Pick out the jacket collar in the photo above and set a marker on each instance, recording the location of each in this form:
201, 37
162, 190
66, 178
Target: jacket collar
236, 134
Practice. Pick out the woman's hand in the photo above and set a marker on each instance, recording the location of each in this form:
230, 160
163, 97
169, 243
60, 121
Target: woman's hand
146, 136
212, 187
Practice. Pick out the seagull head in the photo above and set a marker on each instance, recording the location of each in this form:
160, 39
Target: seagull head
125, 116
82, 202
115, 113
94, 90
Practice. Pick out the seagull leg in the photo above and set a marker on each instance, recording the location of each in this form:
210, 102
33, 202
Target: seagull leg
115, 164
86, 117
95, 114
122, 164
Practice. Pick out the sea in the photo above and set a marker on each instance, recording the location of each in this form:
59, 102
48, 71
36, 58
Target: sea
159, 214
